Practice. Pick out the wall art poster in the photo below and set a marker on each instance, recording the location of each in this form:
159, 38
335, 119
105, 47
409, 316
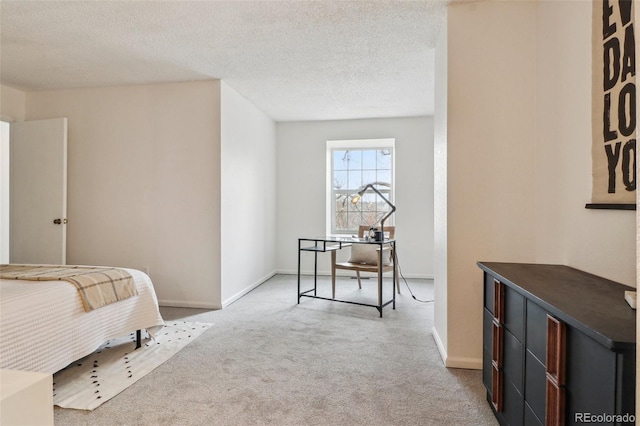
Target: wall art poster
614, 103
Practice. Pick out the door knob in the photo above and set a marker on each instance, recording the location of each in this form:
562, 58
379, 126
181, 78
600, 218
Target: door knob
60, 221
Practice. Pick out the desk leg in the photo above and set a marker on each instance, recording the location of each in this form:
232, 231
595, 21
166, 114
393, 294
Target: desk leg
395, 282
380, 281
298, 272
315, 273
333, 274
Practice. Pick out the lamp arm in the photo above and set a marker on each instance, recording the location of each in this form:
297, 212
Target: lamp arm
386, 216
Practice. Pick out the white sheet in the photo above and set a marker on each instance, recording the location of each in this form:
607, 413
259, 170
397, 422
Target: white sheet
43, 326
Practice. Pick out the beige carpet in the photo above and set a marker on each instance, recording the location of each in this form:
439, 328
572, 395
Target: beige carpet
270, 361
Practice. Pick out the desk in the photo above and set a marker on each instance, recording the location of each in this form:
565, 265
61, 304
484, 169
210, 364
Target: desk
328, 244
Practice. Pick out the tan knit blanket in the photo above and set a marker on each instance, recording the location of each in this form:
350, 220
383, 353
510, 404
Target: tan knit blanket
97, 286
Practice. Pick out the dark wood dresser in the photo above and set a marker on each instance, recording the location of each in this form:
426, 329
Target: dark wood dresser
559, 346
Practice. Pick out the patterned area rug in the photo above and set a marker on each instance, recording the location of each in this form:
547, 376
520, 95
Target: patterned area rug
93, 380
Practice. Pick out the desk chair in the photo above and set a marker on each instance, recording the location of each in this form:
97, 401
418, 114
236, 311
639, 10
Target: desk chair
365, 258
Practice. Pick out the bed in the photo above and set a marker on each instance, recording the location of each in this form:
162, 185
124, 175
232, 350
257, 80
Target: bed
44, 326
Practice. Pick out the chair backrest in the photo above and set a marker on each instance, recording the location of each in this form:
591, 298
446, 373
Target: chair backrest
363, 229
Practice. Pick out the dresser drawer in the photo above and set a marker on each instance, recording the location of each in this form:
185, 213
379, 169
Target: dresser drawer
592, 367
513, 359
535, 385
536, 341
513, 408
530, 419
514, 313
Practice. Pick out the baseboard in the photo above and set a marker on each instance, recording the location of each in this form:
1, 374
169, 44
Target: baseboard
454, 362
464, 363
441, 349
213, 306
188, 304
238, 295
341, 273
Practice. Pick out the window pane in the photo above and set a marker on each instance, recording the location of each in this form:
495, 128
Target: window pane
355, 159
340, 179
368, 199
384, 159
381, 205
369, 159
355, 180
384, 176
339, 160
341, 222
368, 176
354, 220
369, 218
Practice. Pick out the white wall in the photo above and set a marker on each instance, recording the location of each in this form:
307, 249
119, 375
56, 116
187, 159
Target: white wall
490, 172
518, 158
12, 108
248, 201
301, 187
440, 206
12, 104
144, 182
598, 241
4, 192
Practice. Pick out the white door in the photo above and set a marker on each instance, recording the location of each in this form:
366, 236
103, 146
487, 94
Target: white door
38, 192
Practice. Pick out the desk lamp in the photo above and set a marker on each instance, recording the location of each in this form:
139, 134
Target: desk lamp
356, 198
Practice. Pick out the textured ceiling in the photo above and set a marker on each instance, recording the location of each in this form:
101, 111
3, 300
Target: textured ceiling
295, 60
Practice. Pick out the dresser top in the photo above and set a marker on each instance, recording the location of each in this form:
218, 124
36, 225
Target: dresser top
594, 305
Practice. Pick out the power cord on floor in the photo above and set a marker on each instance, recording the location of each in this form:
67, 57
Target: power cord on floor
395, 260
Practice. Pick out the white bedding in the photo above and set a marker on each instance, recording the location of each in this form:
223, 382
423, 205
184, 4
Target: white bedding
43, 326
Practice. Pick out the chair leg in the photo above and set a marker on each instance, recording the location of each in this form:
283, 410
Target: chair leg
333, 274
397, 283
359, 282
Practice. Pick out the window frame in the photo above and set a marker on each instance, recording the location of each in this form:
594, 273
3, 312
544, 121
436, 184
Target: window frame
360, 145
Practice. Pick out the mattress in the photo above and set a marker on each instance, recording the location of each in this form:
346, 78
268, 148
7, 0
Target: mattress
44, 327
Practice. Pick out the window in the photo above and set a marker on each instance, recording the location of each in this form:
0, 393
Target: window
351, 166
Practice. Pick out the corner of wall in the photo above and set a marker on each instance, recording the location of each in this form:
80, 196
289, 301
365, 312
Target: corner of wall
13, 104
442, 349
440, 193
248, 167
